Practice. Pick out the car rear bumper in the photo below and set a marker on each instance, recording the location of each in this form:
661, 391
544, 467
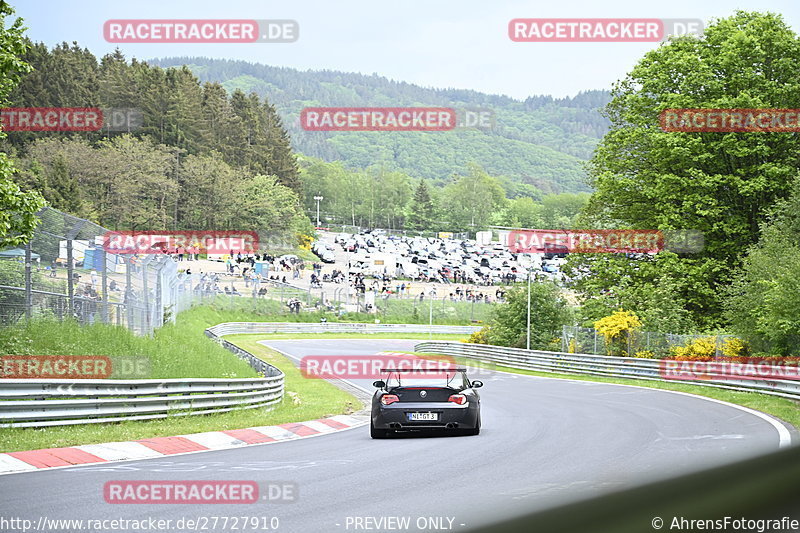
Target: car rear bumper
450, 416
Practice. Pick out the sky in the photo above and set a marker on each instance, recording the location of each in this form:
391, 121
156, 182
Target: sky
461, 44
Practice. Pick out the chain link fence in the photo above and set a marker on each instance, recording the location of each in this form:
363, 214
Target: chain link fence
272, 297
576, 339
64, 272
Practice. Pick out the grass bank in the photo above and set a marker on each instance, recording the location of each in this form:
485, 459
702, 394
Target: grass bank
179, 350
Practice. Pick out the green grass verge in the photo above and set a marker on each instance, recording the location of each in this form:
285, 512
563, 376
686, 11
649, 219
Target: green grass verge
782, 408
179, 350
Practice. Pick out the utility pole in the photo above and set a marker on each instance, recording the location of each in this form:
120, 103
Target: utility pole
528, 336
430, 314
318, 199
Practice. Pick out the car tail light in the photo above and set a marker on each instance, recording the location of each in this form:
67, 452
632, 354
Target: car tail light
388, 399
460, 399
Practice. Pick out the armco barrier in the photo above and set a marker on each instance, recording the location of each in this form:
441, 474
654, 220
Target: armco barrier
598, 365
60, 402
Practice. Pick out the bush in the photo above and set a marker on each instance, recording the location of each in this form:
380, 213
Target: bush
479, 337
618, 330
548, 313
573, 346
734, 348
699, 349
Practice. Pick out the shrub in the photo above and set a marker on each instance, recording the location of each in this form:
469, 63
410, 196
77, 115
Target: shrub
618, 330
549, 312
699, 349
734, 347
479, 337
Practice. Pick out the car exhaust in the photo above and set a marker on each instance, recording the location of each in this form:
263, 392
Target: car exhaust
395, 425
451, 425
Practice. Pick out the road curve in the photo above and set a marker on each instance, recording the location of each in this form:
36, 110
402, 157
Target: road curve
543, 441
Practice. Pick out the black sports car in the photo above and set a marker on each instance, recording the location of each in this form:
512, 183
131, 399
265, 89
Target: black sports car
425, 400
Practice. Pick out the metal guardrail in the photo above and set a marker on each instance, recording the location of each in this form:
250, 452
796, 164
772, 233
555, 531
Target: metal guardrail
231, 328
597, 365
60, 402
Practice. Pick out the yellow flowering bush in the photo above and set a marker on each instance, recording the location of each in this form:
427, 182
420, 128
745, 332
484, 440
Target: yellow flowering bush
479, 337
734, 347
645, 354
618, 329
699, 349
573, 346
305, 241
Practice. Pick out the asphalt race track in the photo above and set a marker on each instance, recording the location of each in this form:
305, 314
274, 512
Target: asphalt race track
542, 441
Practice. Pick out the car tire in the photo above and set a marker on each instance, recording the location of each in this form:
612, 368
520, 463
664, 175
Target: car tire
377, 433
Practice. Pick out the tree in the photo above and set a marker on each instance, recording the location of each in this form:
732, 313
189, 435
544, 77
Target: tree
17, 208
644, 286
718, 183
763, 303
549, 312
421, 210
471, 200
522, 212
207, 198
266, 205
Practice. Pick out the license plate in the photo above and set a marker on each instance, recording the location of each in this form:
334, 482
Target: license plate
423, 416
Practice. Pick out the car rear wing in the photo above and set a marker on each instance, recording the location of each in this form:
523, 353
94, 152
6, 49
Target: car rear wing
422, 369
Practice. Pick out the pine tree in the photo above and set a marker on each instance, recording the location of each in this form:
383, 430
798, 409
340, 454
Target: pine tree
61, 187
422, 211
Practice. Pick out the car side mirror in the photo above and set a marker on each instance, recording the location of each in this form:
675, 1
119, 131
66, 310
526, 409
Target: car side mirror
380, 384
477, 384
